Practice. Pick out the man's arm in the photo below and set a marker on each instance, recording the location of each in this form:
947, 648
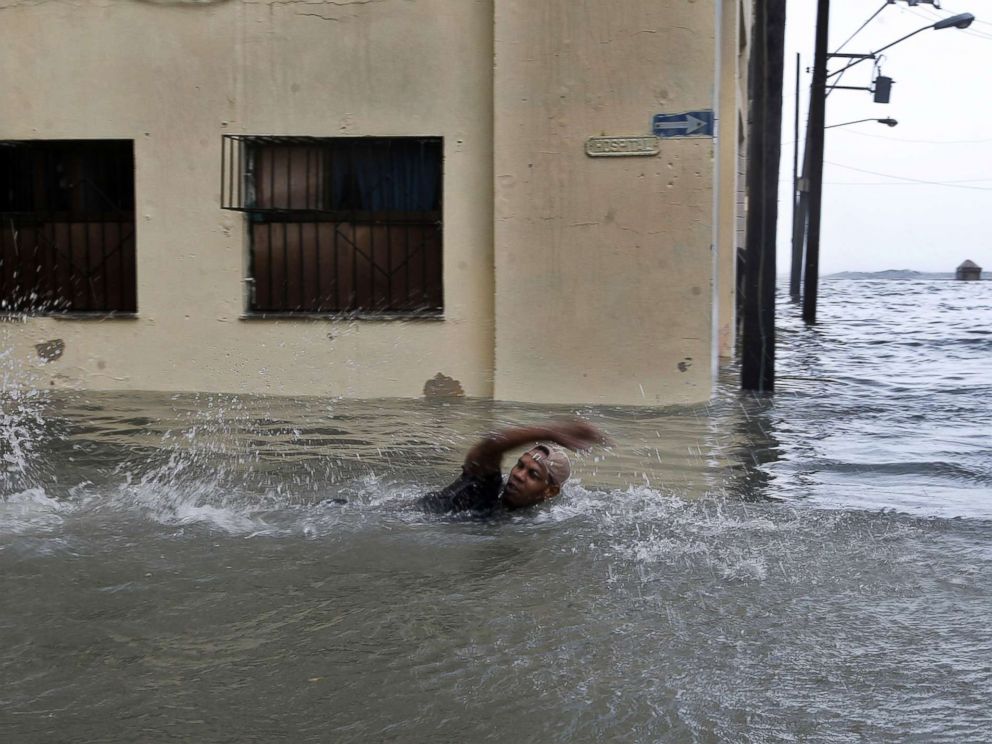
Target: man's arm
486, 456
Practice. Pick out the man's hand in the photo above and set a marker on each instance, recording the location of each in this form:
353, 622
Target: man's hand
486, 456
575, 435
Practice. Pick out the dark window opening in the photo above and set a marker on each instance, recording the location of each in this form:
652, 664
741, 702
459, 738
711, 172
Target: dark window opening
67, 226
339, 225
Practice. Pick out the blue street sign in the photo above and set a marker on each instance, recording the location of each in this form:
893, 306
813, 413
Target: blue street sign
689, 124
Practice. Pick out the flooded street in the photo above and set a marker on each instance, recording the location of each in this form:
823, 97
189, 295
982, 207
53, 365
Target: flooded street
812, 567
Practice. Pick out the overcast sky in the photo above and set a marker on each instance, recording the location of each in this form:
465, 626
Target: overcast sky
876, 212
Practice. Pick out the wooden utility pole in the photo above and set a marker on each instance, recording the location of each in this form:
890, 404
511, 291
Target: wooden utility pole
817, 122
799, 203
766, 75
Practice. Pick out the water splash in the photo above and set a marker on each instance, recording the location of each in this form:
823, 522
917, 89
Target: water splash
22, 425
32, 512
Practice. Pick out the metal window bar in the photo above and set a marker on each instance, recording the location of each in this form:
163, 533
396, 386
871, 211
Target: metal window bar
67, 226
351, 200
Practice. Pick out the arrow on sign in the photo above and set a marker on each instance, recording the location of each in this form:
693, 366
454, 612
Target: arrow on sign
689, 124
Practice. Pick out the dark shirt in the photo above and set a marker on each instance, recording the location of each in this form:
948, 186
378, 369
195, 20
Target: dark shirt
477, 493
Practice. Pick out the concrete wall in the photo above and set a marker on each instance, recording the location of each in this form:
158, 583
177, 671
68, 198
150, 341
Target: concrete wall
568, 279
175, 77
604, 269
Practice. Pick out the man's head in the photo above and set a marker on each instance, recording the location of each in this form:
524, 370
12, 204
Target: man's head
538, 476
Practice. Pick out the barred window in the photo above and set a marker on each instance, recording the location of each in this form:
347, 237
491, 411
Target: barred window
67, 232
348, 225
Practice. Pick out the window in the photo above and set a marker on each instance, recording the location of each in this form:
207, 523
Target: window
67, 232
348, 225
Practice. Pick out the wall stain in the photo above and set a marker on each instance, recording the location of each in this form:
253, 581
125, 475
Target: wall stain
49, 351
442, 386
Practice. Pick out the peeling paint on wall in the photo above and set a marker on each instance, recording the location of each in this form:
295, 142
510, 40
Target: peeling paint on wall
49, 351
442, 386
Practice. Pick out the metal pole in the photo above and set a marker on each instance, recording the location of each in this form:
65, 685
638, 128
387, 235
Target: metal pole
817, 121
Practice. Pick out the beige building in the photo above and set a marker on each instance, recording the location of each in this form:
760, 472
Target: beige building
374, 199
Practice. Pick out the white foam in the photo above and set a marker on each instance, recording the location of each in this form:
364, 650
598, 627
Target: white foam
192, 502
31, 511
222, 518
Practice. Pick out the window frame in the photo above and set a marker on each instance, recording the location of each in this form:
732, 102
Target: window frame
336, 235
67, 228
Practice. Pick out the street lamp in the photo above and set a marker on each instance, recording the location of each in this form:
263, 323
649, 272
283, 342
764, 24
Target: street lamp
886, 122
817, 125
799, 206
961, 20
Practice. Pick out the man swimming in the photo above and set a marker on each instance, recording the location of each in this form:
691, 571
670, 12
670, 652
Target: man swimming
537, 476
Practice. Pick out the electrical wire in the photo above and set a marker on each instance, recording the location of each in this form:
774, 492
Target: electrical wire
918, 141
879, 183
899, 183
861, 27
901, 140
946, 184
929, 15
831, 88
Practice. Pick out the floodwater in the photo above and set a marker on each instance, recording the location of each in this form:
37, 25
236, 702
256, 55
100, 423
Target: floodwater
814, 567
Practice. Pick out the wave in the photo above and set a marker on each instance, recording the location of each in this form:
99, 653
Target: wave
32, 512
975, 475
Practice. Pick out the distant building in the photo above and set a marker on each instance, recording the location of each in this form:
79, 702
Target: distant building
969, 271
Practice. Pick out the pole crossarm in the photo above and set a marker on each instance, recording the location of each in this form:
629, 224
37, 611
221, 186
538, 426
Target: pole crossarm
874, 54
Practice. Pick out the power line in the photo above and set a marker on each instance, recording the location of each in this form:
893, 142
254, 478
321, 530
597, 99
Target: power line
906, 141
984, 23
919, 141
900, 183
885, 183
861, 27
946, 184
930, 15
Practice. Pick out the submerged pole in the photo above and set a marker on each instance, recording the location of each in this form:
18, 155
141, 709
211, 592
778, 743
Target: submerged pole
817, 122
764, 149
799, 202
